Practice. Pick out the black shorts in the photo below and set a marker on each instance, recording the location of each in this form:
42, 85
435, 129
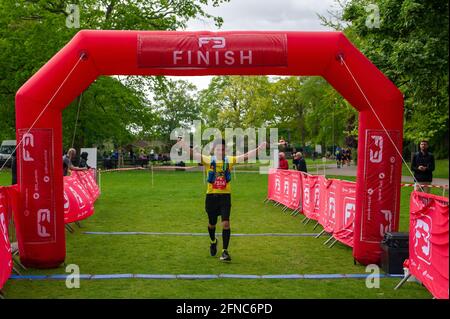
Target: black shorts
218, 204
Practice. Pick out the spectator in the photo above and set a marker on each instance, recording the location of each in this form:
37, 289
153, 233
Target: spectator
282, 162
83, 160
423, 167
67, 162
301, 163
338, 157
295, 161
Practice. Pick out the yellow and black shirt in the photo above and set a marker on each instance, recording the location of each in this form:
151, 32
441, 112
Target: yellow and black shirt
218, 174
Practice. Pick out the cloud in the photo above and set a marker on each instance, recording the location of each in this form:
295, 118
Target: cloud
264, 15
267, 15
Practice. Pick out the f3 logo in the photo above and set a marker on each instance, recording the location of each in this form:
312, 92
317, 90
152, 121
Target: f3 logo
28, 142
422, 243
277, 185
349, 212
294, 190
376, 154
218, 42
43, 215
286, 187
306, 195
3, 227
316, 197
332, 207
387, 227
66, 202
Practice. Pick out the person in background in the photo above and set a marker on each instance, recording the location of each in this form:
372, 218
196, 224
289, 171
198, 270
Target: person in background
282, 161
67, 162
338, 157
295, 161
301, 163
83, 160
423, 166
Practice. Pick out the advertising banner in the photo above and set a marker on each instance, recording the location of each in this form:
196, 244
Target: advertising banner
38, 213
209, 50
345, 214
428, 242
5, 246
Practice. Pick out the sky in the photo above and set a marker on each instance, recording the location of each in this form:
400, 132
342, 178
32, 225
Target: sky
263, 15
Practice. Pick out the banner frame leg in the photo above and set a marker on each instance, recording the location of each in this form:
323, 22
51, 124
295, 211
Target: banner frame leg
69, 228
333, 243
320, 234
328, 240
401, 283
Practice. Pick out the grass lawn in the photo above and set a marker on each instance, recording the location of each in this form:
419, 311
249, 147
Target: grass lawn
176, 204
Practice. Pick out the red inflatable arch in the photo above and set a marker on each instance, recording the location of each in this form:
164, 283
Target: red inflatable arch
89, 54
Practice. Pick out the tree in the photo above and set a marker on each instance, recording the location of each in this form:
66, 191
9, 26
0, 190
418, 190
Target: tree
32, 31
411, 48
176, 106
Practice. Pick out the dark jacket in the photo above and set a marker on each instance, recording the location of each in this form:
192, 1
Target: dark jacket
301, 166
427, 160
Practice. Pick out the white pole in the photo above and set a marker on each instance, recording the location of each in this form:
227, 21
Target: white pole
100, 180
275, 158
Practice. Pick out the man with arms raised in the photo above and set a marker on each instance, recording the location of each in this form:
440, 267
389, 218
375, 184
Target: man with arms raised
218, 194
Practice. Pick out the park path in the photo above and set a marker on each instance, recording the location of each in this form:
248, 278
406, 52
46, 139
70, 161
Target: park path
351, 171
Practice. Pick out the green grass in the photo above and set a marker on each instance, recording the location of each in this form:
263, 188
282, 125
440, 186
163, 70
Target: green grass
175, 203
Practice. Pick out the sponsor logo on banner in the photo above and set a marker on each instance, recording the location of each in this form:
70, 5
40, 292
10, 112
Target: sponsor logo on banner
27, 144
66, 202
286, 187
381, 173
332, 206
422, 239
202, 51
376, 149
317, 197
43, 222
3, 227
277, 185
349, 211
36, 185
306, 194
294, 190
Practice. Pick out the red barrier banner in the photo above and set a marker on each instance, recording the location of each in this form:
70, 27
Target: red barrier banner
285, 187
345, 213
88, 182
5, 246
317, 195
80, 193
311, 191
429, 242
78, 204
331, 196
275, 186
271, 183
296, 187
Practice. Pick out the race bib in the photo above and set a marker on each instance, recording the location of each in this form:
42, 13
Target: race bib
220, 183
